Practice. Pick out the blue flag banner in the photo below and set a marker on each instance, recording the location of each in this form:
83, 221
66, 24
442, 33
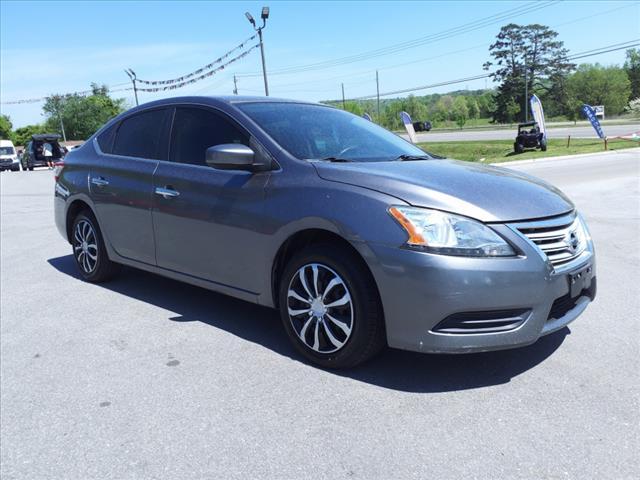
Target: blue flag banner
590, 113
538, 114
408, 125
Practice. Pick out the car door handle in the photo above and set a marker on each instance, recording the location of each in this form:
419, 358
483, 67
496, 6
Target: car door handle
166, 192
99, 181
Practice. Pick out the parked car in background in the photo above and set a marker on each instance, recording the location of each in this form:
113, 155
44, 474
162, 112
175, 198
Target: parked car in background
8, 156
34, 156
358, 237
422, 126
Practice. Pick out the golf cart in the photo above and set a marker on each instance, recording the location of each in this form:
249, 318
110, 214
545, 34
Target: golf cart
529, 136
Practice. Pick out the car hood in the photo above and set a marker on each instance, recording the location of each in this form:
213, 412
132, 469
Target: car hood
487, 193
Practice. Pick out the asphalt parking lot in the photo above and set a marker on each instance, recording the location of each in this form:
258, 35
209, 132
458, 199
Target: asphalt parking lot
145, 377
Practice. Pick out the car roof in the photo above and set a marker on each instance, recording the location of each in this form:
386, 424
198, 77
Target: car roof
6, 143
218, 100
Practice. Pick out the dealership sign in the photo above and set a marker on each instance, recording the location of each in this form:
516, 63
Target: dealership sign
590, 113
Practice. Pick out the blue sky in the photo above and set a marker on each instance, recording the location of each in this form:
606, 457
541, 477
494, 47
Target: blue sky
95, 41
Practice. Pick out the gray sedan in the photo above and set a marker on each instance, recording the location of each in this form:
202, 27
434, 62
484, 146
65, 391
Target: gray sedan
358, 237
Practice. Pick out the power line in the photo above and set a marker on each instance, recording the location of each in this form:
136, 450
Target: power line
454, 31
585, 54
368, 72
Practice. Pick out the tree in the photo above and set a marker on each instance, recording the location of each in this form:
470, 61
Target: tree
634, 107
22, 135
460, 111
354, 107
632, 67
81, 115
474, 109
530, 52
512, 109
598, 85
443, 108
5, 128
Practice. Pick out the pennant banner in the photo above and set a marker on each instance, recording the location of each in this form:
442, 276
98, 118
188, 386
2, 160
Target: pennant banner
200, 70
174, 86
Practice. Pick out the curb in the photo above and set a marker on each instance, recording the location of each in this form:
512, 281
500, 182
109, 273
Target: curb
562, 157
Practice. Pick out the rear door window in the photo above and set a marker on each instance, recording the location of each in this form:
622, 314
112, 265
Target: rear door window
143, 135
105, 139
196, 129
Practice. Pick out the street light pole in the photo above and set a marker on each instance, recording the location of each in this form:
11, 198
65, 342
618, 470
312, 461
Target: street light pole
132, 76
264, 15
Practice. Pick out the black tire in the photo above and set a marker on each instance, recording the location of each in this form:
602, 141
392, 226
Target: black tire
367, 333
95, 271
518, 147
543, 145
31, 169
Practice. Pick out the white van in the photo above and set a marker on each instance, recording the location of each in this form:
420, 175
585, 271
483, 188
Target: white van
8, 156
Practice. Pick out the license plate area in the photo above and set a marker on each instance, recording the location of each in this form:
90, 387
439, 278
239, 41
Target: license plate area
580, 280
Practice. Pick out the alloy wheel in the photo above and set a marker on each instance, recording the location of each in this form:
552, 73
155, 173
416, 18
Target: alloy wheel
85, 246
320, 308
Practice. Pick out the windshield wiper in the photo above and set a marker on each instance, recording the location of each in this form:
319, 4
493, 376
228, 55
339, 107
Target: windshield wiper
405, 157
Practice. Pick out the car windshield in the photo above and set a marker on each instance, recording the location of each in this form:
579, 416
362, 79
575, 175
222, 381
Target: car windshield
316, 132
7, 151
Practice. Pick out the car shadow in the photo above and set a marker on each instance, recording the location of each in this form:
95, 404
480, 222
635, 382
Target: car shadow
393, 369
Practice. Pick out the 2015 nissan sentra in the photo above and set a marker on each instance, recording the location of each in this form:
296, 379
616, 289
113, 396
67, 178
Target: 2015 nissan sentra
358, 237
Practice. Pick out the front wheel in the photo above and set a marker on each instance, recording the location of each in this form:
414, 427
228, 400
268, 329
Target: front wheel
543, 145
330, 307
89, 251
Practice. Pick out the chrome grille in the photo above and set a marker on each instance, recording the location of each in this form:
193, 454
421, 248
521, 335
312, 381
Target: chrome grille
560, 243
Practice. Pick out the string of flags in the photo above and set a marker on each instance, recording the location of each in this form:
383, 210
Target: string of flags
174, 86
183, 78
66, 95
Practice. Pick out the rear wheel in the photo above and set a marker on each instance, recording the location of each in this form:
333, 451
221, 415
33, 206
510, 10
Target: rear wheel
31, 169
518, 147
89, 251
543, 145
330, 308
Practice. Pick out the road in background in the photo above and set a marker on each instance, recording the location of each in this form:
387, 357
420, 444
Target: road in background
585, 131
145, 377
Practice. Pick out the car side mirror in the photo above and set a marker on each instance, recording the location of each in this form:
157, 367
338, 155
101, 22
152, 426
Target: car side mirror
231, 156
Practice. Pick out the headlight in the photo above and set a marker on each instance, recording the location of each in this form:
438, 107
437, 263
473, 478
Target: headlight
449, 234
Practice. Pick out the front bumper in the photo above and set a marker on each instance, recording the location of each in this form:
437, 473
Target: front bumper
9, 165
419, 290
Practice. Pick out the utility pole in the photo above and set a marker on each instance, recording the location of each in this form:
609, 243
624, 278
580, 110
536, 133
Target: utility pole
58, 101
64, 136
343, 103
132, 76
526, 92
264, 15
235, 85
378, 94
